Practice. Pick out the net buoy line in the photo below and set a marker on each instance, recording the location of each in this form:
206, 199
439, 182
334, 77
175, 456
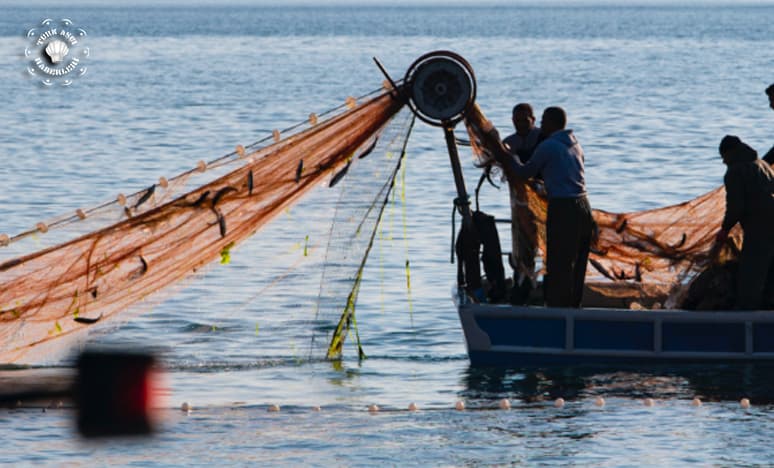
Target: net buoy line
119, 417
122, 393
144, 194
503, 404
47, 401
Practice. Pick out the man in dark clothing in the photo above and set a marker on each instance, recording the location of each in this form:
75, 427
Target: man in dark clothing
769, 157
521, 145
523, 142
559, 158
750, 202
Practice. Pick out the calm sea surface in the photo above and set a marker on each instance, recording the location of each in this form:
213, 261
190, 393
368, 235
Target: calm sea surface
649, 91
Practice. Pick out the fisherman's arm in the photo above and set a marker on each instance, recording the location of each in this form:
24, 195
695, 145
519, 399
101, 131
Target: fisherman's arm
734, 201
769, 157
500, 152
533, 166
514, 169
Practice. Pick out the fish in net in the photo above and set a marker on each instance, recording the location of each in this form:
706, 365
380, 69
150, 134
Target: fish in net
99, 261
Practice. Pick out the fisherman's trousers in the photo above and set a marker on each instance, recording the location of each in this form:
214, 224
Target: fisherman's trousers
756, 263
568, 238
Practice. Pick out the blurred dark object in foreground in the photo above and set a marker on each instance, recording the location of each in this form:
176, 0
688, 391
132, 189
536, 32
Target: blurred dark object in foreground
113, 393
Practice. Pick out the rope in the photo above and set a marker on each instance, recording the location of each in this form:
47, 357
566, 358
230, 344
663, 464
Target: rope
215, 163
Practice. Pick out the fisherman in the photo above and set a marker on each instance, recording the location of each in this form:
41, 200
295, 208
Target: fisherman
521, 145
749, 185
559, 159
769, 157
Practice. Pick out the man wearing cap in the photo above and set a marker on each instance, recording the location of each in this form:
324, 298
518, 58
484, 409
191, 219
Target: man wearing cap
559, 159
769, 157
749, 185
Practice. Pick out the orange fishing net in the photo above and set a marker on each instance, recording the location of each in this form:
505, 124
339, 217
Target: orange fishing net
167, 232
134, 246
638, 258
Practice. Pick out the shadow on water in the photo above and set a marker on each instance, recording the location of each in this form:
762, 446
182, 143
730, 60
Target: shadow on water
710, 383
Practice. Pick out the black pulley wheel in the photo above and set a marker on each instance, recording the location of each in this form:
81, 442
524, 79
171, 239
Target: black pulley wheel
441, 87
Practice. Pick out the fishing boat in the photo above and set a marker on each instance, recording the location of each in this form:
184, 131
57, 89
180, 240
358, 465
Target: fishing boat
642, 267
508, 335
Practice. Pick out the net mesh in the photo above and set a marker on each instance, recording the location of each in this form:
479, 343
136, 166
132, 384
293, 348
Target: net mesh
363, 198
136, 245
94, 263
647, 258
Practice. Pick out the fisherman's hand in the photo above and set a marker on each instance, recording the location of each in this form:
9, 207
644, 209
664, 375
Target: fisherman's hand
495, 146
540, 187
720, 238
489, 131
487, 126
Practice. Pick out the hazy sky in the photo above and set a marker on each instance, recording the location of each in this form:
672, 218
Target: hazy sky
66, 3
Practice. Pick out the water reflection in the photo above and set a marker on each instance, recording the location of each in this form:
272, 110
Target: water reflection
709, 383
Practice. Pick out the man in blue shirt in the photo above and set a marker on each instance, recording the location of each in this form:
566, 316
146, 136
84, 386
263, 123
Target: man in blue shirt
559, 159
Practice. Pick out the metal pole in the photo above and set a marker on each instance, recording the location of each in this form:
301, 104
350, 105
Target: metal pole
462, 202
469, 269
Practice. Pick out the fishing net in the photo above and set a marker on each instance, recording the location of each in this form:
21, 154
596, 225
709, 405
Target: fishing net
101, 260
96, 262
364, 196
647, 258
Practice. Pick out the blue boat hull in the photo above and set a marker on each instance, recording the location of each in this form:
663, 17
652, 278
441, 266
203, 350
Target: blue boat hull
512, 336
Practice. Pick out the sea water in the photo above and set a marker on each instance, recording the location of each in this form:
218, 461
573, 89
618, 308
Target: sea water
649, 91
